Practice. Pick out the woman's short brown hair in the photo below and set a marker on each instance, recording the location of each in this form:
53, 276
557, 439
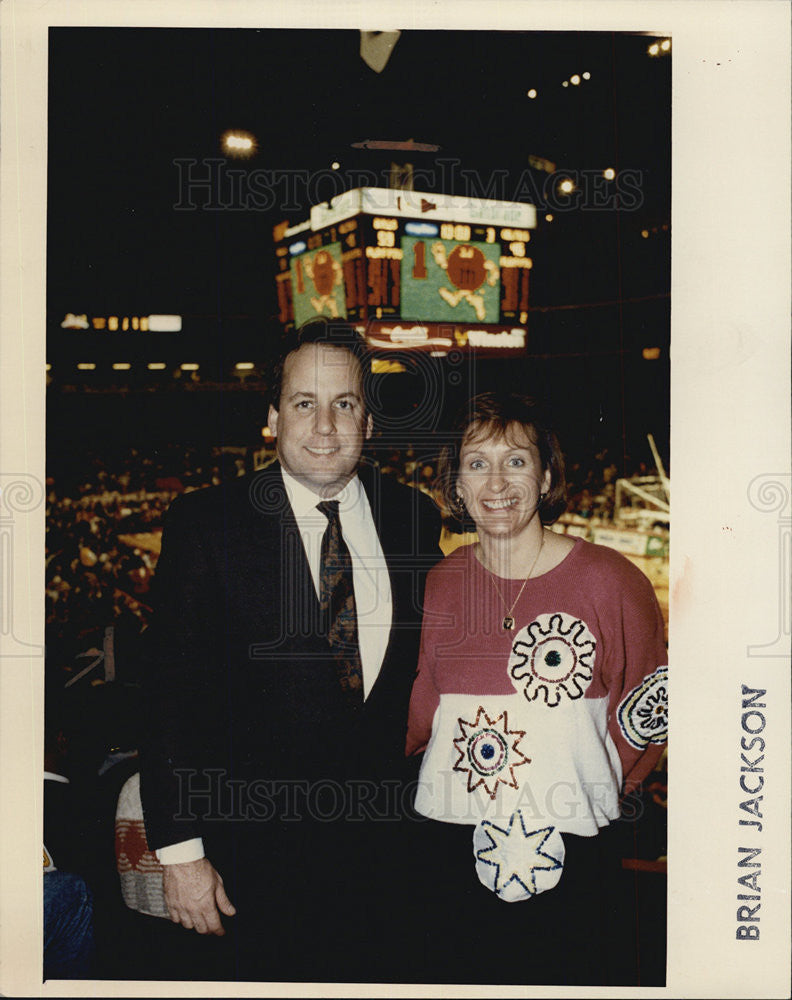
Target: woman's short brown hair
496, 412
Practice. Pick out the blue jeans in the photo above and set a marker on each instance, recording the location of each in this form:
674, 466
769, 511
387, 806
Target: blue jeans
68, 926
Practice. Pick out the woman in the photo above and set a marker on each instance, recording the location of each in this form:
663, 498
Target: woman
540, 700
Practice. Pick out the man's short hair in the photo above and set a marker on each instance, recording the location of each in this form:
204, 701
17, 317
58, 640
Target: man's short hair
334, 333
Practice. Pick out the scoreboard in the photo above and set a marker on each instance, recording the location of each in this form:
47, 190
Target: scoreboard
415, 270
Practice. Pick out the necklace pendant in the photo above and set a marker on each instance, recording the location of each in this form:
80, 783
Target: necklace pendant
508, 623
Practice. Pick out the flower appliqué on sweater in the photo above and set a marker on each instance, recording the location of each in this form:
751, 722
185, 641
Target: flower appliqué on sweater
643, 714
553, 658
489, 752
518, 861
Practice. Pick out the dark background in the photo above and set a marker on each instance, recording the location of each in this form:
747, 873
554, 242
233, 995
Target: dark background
125, 104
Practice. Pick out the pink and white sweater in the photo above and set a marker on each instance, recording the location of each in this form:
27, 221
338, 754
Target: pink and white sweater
553, 718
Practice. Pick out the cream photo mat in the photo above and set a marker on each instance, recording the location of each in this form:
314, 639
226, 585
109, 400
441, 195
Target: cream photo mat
730, 451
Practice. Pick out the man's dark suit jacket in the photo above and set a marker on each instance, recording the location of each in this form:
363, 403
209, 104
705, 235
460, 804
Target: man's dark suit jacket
243, 693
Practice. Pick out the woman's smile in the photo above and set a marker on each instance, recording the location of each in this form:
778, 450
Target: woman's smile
500, 480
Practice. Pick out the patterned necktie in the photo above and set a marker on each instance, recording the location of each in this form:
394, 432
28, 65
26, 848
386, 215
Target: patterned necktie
337, 601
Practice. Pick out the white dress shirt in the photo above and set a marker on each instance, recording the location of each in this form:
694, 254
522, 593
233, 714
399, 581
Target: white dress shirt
370, 578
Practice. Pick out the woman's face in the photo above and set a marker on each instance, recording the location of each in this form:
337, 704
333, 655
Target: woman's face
500, 478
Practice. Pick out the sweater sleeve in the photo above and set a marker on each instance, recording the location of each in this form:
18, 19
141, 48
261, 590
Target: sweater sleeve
425, 697
638, 687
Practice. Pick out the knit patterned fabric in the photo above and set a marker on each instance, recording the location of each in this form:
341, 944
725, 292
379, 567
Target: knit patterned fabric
552, 719
138, 869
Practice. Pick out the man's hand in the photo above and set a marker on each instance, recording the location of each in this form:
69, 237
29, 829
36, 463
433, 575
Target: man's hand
193, 893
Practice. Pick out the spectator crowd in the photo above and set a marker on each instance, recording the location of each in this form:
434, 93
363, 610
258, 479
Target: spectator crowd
104, 518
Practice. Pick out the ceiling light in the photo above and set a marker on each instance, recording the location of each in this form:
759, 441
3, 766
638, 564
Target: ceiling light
163, 323
239, 143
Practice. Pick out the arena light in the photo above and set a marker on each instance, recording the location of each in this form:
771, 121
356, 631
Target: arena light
73, 322
565, 83
156, 366
587, 75
121, 366
335, 165
665, 45
566, 186
244, 366
609, 173
189, 366
86, 366
574, 80
549, 217
164, 323
645, 233
48, 366
651, 353
239, 143
654, 49
532, 93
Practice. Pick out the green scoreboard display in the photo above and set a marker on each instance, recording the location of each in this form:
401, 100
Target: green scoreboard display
445, 280
413, 270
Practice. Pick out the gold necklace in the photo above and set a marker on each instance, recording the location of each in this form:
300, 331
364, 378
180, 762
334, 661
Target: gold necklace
508, 620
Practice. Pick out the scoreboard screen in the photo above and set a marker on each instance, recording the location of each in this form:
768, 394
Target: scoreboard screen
318, 284
443, 280
370, 258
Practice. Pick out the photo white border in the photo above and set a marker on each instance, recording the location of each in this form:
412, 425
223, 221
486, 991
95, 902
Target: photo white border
730, 426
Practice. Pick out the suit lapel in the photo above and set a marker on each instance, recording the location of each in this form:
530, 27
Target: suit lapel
277, 548
386, 522
274, 546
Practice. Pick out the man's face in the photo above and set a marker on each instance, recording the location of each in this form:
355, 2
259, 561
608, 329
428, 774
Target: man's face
321, 422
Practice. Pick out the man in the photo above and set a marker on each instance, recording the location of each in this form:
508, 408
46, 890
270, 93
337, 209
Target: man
272, 778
